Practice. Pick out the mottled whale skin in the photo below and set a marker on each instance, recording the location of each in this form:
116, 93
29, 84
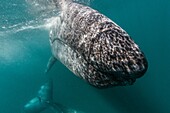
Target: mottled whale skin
95, 48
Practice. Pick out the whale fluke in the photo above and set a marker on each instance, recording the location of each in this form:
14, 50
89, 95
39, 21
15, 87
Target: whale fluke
42, 101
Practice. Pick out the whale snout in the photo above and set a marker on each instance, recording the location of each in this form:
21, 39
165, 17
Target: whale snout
137, 67
118, 57
131, 63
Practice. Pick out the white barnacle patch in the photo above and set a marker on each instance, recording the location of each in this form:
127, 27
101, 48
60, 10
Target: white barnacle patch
82, 40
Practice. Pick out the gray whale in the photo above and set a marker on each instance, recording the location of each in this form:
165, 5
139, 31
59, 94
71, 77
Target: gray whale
94, 47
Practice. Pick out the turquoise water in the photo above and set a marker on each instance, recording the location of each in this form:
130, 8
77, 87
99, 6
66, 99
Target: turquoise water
25, 50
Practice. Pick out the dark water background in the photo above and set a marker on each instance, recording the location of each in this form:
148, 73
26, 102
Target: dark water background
24, 55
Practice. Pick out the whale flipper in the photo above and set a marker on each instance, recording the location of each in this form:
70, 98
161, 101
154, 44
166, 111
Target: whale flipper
42, 101
50, 64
